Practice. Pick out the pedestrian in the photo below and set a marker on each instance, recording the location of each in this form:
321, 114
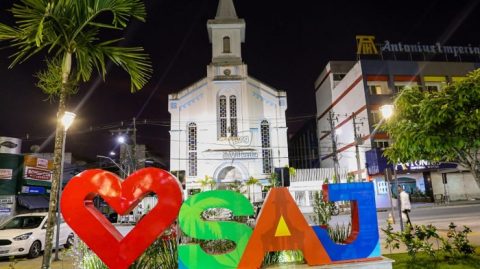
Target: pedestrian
405, 206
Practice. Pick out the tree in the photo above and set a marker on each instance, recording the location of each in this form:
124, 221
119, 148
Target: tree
207, 181
252, 182
68, 32
438, 125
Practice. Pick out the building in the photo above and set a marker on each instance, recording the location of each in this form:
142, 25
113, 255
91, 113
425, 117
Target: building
349, 95
303, 147
228, 126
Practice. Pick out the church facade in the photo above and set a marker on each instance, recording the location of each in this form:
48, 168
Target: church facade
228, 126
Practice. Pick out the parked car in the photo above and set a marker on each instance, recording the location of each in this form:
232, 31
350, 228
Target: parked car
25, 235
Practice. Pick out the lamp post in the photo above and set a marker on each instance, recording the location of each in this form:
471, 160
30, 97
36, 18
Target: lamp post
123, 141
67, 121
387, 112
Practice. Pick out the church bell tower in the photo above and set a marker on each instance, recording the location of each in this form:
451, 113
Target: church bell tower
226, 33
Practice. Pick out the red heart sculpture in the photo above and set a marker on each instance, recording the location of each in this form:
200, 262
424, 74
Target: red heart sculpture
116, 251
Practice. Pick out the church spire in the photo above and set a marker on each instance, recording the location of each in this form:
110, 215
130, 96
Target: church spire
226, 10
226, 33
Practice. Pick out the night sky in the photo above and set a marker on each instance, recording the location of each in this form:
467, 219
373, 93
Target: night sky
287, 45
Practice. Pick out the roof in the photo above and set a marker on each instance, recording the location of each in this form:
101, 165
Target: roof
226, 10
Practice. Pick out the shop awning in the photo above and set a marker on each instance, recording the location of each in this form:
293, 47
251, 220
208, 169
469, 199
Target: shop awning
33, 201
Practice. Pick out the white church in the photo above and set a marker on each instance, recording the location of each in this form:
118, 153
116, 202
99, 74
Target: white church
227, 126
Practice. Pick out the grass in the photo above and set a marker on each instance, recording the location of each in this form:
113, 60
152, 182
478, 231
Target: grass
403, 261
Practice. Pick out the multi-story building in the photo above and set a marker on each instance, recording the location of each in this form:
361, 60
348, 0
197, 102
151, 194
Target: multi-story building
228, 126
349, 95
303, 147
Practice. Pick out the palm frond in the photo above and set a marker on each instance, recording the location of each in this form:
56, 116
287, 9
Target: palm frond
132, 59
9, 33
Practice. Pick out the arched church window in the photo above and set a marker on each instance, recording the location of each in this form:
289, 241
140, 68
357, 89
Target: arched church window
233, 116
192, 149
266, 150
226, 44
222, 115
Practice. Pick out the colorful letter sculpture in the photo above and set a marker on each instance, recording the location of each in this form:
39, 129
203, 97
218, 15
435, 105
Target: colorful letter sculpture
363, 241
280, 224
192, 256
116, 251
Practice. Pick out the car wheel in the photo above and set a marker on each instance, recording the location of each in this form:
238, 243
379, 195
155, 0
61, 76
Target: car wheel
69, 242
35, 249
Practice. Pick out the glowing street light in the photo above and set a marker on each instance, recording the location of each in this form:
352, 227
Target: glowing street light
121, 139
387, 111
67, 121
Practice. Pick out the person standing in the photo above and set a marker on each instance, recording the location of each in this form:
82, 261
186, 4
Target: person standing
405, 205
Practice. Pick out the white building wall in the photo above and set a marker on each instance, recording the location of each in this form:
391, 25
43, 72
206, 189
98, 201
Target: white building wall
460, 186
353, 101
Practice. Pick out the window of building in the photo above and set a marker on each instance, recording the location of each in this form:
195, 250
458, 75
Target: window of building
400, 85
380, 143
338, 77
434, 86
376, 116
192, 149
226, 44
233, 116
222, 115
266, 150
378, 87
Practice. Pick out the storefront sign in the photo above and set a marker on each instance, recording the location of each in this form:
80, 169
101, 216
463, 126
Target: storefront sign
33, 173
42, 163
10, 145
33, 190
6, 174
280, 224
229, 155
366, 46
5, 211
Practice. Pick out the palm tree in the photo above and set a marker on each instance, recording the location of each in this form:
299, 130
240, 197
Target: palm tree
207, 181
252, 182
68, 32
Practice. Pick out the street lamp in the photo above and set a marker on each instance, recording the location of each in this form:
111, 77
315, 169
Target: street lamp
122, 140
387, 112
67, 121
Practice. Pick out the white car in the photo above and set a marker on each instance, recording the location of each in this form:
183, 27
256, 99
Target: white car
25, 235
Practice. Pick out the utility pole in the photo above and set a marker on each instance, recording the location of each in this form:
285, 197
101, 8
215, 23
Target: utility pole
331, 119
134, 147
127, 158
358, 141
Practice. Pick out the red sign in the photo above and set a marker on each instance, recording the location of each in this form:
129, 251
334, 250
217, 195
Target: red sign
37, 174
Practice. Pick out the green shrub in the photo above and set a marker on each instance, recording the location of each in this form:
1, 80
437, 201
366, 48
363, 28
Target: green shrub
418, 239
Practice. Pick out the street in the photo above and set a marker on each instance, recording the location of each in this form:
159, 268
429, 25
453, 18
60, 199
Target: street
440, 216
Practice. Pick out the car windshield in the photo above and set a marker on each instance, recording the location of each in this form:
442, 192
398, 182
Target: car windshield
24, 222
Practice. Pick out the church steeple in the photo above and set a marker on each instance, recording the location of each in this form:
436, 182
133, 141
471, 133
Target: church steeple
226, 10
226, 33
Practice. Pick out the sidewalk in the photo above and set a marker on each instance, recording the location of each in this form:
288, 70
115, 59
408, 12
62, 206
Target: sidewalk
66, 262
426, 205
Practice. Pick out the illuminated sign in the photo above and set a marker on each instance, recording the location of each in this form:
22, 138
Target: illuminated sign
279, 226
366, 46
6, 174
33, 173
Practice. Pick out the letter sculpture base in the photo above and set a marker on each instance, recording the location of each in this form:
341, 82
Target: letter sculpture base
380, 263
